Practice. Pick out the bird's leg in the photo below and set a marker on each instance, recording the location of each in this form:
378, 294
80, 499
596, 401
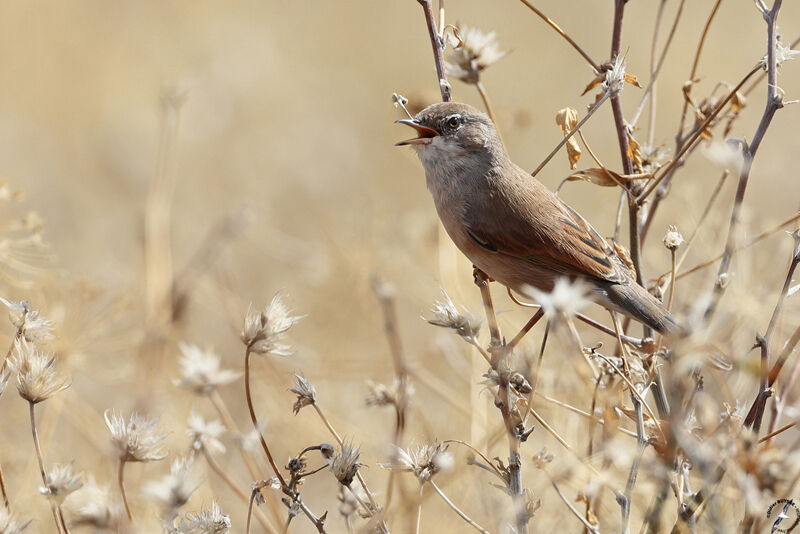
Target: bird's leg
482, 281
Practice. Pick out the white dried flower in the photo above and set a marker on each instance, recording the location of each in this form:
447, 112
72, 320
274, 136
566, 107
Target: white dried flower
542, 458
251, 442
305, 391
37, 379
200, 370
61, 481
4, 379
424, 461
380, 395
567, 298
344, 464
446, 315
175, 488
782, 53
615, 77
205, 435
672, 239
263, 330
473, 51
136, 440
8, 524
211, 521
30, 325
93, 506
725, 154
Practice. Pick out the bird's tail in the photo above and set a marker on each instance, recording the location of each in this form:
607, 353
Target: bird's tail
634, 301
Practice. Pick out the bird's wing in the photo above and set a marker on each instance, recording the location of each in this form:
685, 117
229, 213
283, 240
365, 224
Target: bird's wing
529, 222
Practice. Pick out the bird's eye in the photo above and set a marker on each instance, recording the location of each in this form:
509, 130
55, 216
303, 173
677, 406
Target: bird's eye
454, 122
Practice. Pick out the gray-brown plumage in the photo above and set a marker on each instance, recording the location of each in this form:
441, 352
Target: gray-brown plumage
510, 225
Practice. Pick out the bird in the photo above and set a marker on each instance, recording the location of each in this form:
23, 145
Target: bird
511, 226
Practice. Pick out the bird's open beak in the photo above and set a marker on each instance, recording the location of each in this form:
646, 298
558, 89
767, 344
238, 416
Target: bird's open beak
424, 134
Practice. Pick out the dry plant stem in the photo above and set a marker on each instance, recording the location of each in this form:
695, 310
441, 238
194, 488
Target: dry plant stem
778, 406
39, 457
225, 414
418, 520
563, 34
250, 511
773, 321
774, 103
401, 371
63, 520
661, 191
456, 509
485, 98
695, 136
573, 409
359, 476
575, 512
761, 76
255, 419
671, 281
121, 482
524, 330
3, 489
655, 69
755, 240
437, 43
238, 491
572, 132
482, 281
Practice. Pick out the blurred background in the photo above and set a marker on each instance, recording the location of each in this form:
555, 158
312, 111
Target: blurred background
243, 148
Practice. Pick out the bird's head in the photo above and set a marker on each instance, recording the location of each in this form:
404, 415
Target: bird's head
453, 130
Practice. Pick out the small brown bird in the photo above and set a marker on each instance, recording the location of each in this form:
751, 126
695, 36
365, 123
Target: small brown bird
511, 226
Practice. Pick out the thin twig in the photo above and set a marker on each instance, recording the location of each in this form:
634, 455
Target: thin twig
456, 509
40, 458
774, 103
575, 512
437, 43
121, 482
254, 418
238, 491
572, 132
563, 34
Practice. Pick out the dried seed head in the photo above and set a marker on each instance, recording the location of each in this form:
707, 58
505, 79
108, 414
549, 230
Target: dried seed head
446, 315
136, 440
262, 331
305, 391
615, 76
567, 119
29, 323
542, 458
567, 298
424, 461
251, 442
473, 51
672, 239
782, 53
344, 464
205, 435
8, 524
61, 481
37, 379
174, 489
92, 506
211, 521
200, 370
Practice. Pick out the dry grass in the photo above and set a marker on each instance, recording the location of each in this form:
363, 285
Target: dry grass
203, 158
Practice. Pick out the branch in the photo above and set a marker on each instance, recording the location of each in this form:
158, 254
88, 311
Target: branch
774, 103
438, 44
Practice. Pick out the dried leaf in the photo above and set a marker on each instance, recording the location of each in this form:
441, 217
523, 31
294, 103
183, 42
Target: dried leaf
633, 80
687, 89
603, 177
634, 152
610, 422
567, 119
738, 102
573, 153
600, 78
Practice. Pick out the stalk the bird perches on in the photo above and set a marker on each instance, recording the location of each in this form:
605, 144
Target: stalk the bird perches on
510, 225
